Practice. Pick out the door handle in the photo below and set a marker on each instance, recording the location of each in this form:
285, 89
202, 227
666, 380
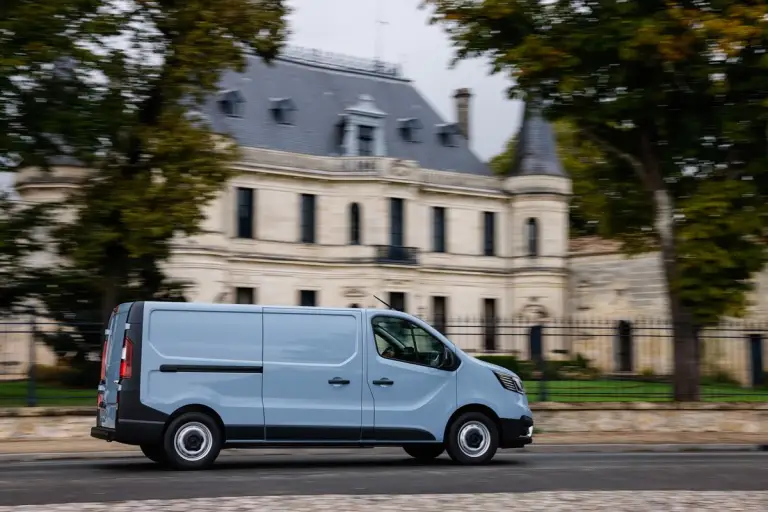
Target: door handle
383, 382
338, 381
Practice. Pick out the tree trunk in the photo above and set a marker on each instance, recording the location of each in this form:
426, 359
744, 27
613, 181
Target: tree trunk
686, 364
108, 299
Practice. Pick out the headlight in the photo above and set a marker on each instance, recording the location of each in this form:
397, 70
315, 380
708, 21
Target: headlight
510, 382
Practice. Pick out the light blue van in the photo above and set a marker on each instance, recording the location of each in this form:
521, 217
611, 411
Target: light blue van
184, 380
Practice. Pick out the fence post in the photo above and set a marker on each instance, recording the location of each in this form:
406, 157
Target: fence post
537, 348
31, 371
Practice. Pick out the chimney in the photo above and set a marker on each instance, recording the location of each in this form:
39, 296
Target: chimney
462, 97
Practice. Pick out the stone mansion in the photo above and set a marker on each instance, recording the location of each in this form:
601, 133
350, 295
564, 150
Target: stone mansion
352, 186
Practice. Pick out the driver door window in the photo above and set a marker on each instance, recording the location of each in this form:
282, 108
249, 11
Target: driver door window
402, 340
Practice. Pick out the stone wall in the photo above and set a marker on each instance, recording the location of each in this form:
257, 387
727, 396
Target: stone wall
550, 418
604, 283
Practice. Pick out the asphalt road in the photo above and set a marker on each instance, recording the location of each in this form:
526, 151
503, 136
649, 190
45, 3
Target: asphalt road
378, 472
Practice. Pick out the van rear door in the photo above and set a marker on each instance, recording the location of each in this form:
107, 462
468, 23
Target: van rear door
110, 369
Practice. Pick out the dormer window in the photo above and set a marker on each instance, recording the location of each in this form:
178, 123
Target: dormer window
283, 110
448, 134
231, 103
365, 140
363, 125
410, 129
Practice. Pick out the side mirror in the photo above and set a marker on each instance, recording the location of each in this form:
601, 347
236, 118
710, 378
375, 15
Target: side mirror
449, 359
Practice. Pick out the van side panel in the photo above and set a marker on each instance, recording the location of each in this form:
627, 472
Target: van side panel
313, 375
209, 356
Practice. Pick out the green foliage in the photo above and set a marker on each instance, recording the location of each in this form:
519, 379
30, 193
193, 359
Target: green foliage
666, 107
20, 240
69, 374
73, 302
501, 164
576, 368
47, 110
154, 165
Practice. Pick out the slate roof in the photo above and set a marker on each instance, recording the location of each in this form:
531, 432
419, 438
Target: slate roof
536, 148
321, 93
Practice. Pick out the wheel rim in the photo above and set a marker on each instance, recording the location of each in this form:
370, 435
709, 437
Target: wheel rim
474, 439
193, 441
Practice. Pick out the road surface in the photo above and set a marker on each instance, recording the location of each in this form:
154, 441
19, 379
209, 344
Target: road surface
380, 472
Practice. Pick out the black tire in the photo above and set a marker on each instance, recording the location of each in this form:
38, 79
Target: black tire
155, 453
480, 439
424, 451
199, 435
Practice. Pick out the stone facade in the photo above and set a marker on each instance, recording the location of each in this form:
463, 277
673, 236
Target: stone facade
277, 266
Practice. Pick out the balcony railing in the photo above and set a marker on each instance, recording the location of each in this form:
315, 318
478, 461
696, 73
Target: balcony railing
397, 255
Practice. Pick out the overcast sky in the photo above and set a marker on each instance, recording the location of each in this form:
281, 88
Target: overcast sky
349, 26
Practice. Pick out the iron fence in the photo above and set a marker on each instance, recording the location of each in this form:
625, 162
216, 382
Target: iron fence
577, 359
565, 360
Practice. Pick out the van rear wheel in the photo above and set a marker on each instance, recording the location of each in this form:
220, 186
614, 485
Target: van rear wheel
472, 439
424, 451
154, 452
192, 441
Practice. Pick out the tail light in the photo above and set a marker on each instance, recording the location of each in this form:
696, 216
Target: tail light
126, 362
104, 361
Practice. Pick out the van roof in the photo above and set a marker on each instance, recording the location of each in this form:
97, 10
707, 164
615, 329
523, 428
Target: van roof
230, 307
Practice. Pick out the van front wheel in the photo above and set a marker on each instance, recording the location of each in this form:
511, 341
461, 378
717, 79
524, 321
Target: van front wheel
424, 451
192, 441
472, 439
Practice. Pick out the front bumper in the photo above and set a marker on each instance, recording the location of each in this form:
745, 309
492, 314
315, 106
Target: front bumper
516, 433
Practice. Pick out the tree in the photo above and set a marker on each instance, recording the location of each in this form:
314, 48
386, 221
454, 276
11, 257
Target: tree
675, 92
154, 163
20, 242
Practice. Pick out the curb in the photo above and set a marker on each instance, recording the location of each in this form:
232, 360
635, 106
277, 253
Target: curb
644, 448
542, 448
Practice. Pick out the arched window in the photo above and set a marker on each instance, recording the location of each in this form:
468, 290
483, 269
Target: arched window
354, 224
532, 231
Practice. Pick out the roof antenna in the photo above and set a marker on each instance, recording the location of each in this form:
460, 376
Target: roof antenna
378, 37
378, 299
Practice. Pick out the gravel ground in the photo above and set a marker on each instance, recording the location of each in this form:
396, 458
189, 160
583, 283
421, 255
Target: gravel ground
621, 501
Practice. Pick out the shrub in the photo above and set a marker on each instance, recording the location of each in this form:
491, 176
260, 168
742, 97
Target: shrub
81, 374
576, 368
53, 375
719, 377
524, 369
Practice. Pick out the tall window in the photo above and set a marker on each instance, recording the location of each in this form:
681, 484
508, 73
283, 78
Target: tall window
438, 229
489, 329
365, 140
396, 222
354, 224
489, 233
308, 298
440, 313
245, 296
245, 212
397, 300
532, 231
308, 218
